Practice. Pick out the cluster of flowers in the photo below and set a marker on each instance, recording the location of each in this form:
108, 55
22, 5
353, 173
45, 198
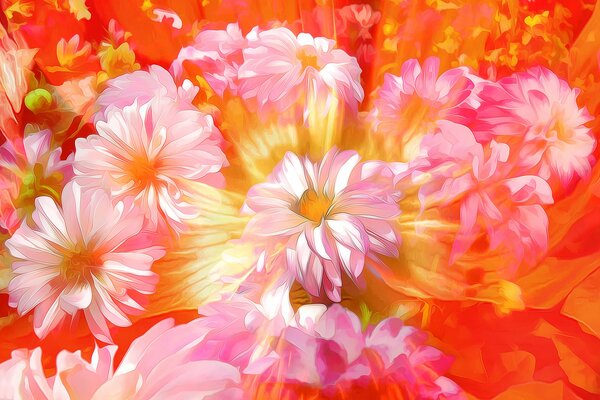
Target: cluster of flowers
240, 351
86, 228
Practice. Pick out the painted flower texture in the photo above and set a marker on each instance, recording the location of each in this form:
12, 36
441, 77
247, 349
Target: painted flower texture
299, 200
87, 255
149, 145
322, 220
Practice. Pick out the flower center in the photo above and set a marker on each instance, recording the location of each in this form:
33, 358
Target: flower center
142, 171
557, 128
308, 60
77, 263
313, 206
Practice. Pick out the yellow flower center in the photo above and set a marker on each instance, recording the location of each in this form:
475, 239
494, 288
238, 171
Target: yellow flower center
308, 60
314, 206
557, 128
77, 263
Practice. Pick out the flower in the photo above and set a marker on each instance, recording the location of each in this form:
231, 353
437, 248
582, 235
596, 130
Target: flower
143, 86
361, 15
218, 54
282, 70
319, 219
355, 24
325, 352
87, 256
152, 151
537, 114
163, 363
159, 364
30, 168
22, 376
493, 197
409, 106
236, 352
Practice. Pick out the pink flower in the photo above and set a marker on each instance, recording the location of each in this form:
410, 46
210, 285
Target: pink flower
22, 376
86, 256
319, 219
281, 70
160, 364
152, 151
354, 25
318, 351
218, 54
325, 353
361, 15
493, 196
410, 105
537, 115
30, 167
143, 86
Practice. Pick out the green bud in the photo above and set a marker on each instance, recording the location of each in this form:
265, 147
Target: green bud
38, 99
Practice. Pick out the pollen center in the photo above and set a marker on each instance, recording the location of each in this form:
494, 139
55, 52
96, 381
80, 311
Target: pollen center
142, 171
77, 263
308, 60
314, 206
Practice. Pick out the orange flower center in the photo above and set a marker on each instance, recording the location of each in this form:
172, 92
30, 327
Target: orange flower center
314, 206
142, 171
308, 60
77, 263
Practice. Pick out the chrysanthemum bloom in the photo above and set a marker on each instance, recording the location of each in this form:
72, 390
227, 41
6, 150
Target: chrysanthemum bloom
491, 197
84, 256
320, 219
159, 364
282, 70
143, 86
537, 115
409, 106
29, 168
218, 54
151, 151
325, 353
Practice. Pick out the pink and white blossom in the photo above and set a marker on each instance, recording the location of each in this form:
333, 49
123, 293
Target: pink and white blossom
493, 197
325, 352
143, 86
218, 54
29, 167
159, 364
236, 350
152, 151
409, 106
537, 115
319, 220
85, 256
281, 71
